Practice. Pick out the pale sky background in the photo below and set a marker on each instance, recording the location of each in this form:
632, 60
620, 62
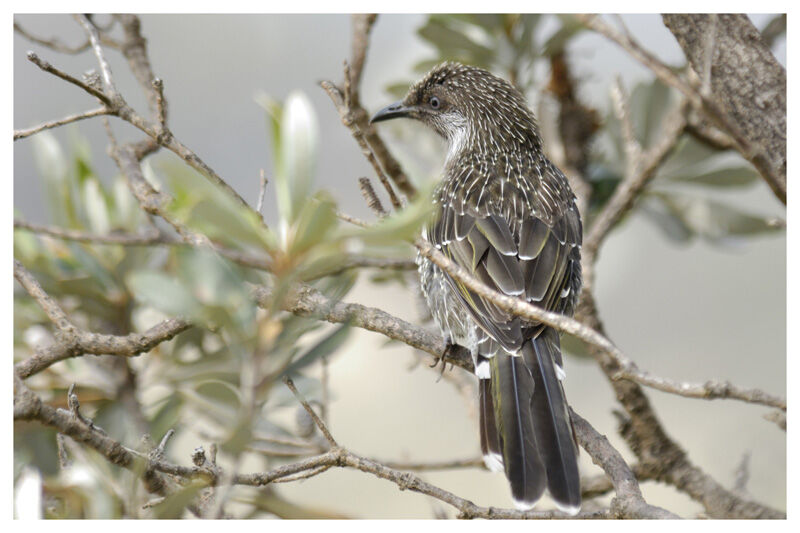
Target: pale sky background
690, 312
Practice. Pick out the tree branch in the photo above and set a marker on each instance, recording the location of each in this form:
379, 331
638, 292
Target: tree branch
771, 166
21, 134
28, 406
745, 82
640, 169
355, 117
628, 502
710, 390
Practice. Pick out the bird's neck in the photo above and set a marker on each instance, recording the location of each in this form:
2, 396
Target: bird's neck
489, 140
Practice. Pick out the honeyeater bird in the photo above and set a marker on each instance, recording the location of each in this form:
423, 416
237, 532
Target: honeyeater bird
507, 215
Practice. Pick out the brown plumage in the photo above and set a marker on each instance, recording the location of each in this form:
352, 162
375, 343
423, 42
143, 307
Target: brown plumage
508, 215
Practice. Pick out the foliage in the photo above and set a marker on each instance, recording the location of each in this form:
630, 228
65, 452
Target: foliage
214, 378
220, 380
682, 200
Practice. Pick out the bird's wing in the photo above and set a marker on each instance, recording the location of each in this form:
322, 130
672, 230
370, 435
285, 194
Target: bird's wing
513, 225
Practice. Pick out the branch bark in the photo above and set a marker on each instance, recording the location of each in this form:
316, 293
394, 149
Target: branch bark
746, 81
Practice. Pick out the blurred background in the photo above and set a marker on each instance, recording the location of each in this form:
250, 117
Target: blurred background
684, 295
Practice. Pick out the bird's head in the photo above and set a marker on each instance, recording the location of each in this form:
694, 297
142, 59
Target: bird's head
467, 105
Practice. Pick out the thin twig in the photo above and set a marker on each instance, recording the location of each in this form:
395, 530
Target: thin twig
352, 220
639, 172
51, 308
21, 134
47, 67
304, 475
778, 417
53, 44
710, 390
161, 103
474, 462
320, 424
117, 238
97, 48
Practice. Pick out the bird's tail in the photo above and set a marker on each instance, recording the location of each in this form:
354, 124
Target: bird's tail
525, 421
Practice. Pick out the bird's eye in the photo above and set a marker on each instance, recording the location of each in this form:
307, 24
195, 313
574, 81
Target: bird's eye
434, 102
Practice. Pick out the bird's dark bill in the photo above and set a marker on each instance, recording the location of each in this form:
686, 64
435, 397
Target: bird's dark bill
395, 110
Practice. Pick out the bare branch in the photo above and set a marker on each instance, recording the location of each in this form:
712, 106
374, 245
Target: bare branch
747, 88
308, 301
135, 51
362, 25
47, 67
355, 117
633, 149
771, 164
778, 417
474, 462
319, 423
124, 239
28, 406
21, 134
640, 170
710, 390
628, 502
55, 44
54, 312
161, 103
78, 343
352, 220
118, 107
97, 48
337, 97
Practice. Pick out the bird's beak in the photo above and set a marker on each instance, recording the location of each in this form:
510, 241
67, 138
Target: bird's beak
394, 110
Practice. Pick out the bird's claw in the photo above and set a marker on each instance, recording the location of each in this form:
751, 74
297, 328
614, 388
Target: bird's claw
442, 359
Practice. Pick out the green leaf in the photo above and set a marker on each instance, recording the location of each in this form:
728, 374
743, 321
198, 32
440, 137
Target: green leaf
570, 27
94, 202
713, 220
316, 221
205, 208
672, 226
294, 133
726, 177
163, 292
526, 42
401, 225
126, 212
328, 345
219, 287
649, 104
175, 504
397, 90
696, 163
82, 159
453, 44
167, 416
52, 167
574, 346
688, 152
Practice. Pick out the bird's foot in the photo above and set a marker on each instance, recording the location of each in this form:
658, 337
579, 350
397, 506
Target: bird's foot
442, 359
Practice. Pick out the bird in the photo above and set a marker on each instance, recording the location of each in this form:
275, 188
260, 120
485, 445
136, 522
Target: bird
505, 213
